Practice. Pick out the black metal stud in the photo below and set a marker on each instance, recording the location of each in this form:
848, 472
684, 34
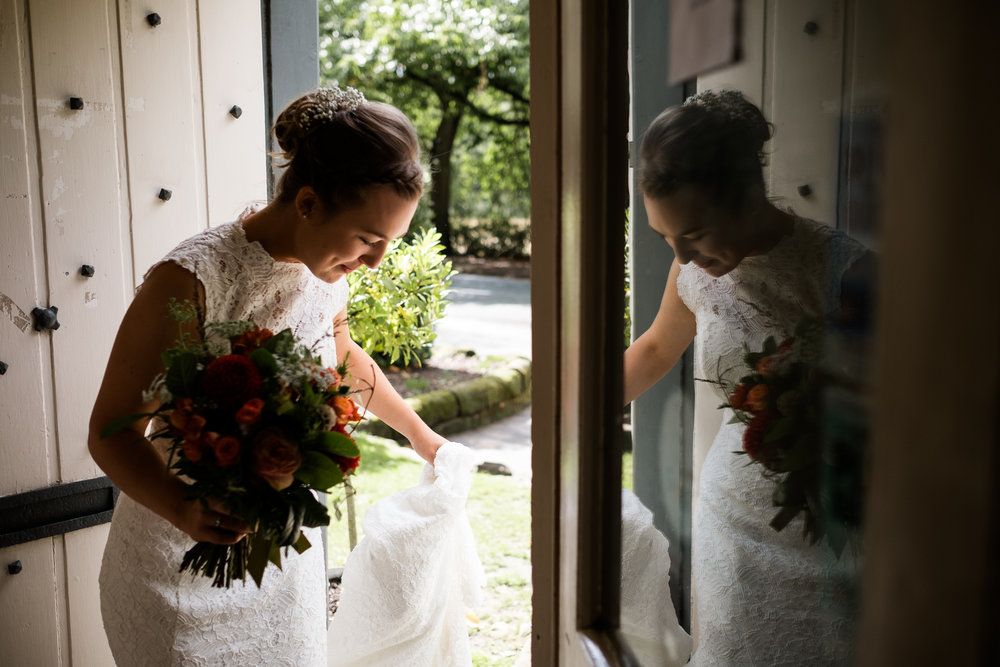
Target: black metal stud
153, 19
236, 112
76, 103
165, 194
3, 368
14, 568
810, 28
87, 271
805, 190
45, 318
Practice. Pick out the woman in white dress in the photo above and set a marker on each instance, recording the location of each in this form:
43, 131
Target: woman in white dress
352, 184
744, 270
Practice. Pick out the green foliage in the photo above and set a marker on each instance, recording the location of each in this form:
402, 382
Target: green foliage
493, 237
459, 70
392, 309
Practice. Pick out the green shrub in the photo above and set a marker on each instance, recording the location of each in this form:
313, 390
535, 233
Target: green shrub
492, 237
392, 309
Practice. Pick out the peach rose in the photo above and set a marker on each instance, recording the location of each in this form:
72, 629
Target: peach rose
275, 459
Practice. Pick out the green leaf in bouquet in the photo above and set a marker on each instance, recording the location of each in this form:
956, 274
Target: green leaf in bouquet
780, 429
281, 343
319, 471
315, 512
260, 550
302, 543
182, 376
338, 444
123, 422
265, 362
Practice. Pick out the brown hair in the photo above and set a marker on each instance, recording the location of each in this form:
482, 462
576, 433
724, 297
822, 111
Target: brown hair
346, 151
713, 142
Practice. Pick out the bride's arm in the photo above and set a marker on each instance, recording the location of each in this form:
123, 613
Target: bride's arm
127, 457
383, 400
657, 350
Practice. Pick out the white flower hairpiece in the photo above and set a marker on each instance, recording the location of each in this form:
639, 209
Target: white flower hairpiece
327, 102
729, 102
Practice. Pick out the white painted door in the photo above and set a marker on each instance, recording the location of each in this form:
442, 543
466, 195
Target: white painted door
80, 186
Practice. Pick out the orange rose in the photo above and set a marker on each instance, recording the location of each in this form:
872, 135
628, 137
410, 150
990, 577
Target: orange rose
335, 378
753, 438
248, 341
764, 365
184, 421
250, 412
227, 451
347, 410
275, 459
738, 397
757, 398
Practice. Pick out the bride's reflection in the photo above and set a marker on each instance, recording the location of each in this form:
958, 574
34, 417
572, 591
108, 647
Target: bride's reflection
777, 305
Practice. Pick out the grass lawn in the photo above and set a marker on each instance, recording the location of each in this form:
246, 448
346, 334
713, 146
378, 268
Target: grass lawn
500, 513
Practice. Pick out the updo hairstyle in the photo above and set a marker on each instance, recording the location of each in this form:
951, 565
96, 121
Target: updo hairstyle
713, 142
340, 150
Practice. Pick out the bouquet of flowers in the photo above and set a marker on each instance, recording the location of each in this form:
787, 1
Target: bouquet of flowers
781, 401
256, 422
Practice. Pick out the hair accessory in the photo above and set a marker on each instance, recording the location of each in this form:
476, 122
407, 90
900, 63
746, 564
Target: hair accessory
729, 102
327, 102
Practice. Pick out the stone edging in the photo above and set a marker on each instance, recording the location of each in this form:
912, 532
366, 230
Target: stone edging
468, 404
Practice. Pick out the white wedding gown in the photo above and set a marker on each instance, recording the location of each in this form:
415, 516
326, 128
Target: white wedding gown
154, 615
762, 597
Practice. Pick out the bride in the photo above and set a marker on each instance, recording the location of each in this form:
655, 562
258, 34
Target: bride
744, 270
352, 184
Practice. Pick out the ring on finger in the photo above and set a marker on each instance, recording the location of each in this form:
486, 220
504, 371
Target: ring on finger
218, 521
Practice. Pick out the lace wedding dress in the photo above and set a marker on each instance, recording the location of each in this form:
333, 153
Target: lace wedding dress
154, 615
762, 597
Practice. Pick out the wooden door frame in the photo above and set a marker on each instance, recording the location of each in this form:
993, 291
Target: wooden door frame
579, 124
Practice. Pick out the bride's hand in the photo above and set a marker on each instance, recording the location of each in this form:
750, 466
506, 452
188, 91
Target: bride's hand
211, 523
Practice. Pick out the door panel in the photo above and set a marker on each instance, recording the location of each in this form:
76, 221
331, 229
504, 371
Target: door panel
235, 149
27, 443
163, 126
79, 181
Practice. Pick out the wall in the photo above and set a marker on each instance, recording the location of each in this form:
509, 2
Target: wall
80, 187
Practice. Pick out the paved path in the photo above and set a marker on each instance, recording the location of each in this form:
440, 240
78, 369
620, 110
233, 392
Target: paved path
492, 316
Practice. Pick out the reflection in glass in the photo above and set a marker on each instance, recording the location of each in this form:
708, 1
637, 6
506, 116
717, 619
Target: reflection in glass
778, 307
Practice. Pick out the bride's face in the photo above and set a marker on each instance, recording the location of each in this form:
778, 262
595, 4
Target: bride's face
698, 230
332, 245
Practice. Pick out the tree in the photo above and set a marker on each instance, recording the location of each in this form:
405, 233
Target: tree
440, 61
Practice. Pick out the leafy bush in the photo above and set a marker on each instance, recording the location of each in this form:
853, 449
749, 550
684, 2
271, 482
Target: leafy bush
392, 309
492, 237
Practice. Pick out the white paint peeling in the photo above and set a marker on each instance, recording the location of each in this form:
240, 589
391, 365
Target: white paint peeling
89, 299
58, 189
135, 104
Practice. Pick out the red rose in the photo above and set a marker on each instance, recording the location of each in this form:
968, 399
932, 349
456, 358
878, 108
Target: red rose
275, 459
227, 451
250, 412
248, 341
347, 410
738, 397
231, 380
756, 400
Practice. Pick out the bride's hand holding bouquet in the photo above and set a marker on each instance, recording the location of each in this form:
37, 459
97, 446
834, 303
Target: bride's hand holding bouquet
255, 424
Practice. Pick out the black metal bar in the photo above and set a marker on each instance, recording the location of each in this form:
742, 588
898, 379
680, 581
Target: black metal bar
55, 510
